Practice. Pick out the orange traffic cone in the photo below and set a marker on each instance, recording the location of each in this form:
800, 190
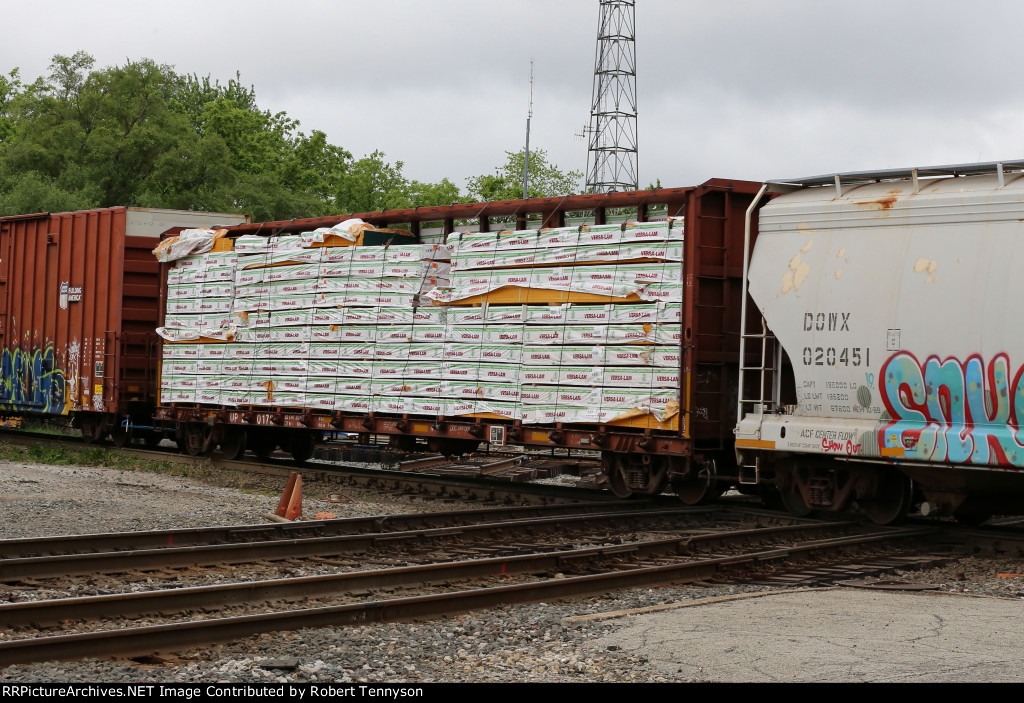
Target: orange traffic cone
295, 502
282, 505
290, 505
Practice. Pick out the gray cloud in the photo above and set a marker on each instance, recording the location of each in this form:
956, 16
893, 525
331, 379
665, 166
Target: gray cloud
745, 89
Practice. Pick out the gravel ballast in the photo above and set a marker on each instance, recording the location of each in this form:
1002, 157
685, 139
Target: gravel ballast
576, 641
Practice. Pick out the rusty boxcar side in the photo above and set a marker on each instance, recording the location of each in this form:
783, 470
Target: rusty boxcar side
79, 298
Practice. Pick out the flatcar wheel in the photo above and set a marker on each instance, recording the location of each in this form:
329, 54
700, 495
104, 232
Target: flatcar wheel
617, 485
232, 446
192, 438
302, 446
614, 471
152, 438
699, 489
894, 502
452, 446
402, 443
261, 443
121, 437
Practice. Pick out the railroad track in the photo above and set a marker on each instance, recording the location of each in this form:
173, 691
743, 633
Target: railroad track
237, 534
735, 545
475, 533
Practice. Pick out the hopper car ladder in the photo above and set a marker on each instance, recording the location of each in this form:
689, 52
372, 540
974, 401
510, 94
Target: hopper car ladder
765, 398
760, 356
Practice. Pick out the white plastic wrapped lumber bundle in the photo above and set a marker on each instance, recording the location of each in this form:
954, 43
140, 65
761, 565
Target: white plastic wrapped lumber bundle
310, 325
523, 298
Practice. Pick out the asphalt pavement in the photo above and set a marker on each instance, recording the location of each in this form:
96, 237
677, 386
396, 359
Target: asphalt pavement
831, 635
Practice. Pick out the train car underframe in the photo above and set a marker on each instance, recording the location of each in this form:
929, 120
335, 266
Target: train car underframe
634, 462
629, 474
886, 491
807, 483
137, 423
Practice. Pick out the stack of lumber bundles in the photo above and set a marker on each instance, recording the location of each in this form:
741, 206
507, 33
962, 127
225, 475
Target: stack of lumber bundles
558, 325
585, 321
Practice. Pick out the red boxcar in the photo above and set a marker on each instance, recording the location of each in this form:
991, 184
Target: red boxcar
78, 306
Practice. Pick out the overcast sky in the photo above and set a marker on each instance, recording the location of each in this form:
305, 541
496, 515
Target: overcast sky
742, 89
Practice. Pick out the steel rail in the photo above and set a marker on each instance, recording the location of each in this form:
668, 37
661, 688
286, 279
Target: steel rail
46, 612
163, 638
92, 607
156, 539
248, 552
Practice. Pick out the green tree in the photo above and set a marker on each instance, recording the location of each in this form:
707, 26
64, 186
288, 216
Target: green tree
140, 134
34, 192
277, 172
506, 183
373, 184
444, 192
10, 88
97, 138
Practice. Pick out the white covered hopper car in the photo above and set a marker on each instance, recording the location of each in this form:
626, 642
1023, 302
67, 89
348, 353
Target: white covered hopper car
883, 365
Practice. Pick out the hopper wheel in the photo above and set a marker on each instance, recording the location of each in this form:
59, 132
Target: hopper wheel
893, 500
787, 483
794, 502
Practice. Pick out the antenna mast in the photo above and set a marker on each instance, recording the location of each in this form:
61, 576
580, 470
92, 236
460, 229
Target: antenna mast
526, 154
612, 154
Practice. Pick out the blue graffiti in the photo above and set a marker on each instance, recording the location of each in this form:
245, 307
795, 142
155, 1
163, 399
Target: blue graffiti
31, 382
953, 411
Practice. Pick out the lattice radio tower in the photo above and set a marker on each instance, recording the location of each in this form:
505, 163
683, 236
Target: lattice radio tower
612, 154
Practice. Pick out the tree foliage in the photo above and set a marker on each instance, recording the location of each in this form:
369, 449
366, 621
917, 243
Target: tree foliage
95, 138
10, 87
506, 183
373, 184
140, 134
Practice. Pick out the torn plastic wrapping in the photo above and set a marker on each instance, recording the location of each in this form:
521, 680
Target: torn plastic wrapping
187, 243
648, 282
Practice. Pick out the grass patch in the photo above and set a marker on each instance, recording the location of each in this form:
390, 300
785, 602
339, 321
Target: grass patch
98, 456
56, 455
200, 471
45, 426
63, 455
